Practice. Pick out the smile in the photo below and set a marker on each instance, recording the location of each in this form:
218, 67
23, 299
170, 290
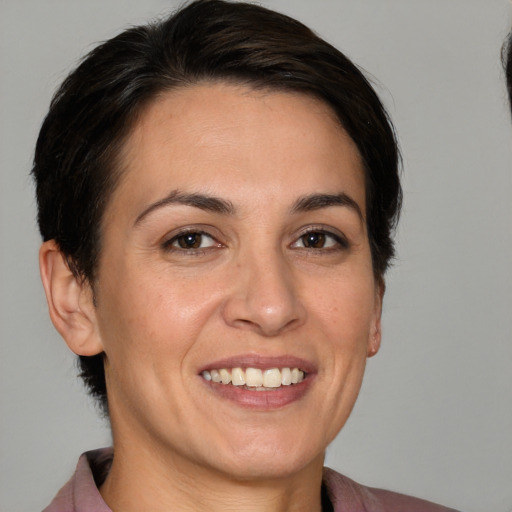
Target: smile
255, 379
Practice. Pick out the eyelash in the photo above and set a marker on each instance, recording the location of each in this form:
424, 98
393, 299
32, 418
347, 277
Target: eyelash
341, 243
169, 246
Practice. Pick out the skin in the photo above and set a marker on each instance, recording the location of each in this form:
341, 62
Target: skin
252, 289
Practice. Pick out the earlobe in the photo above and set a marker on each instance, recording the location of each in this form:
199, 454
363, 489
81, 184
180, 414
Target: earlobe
70, 302
376, 332
374, 343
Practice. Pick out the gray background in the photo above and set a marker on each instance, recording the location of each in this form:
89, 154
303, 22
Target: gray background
434, 418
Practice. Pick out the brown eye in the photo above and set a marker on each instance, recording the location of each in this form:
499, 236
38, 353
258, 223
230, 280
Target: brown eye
190, 241
314, 240
318, 240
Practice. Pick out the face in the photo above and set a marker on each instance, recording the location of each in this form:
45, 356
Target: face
235, 249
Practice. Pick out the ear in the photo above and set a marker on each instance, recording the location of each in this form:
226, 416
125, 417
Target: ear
70, 302
375, 335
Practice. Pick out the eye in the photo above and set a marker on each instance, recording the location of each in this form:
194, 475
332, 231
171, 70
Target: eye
191, 240
320, 239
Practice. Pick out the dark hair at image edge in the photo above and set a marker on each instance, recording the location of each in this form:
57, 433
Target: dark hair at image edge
506, 58
76, 164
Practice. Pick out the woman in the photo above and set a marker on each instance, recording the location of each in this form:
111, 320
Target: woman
217, 193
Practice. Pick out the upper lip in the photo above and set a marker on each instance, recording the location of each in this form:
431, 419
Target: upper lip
262, 362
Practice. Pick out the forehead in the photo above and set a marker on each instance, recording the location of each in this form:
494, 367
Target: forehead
227, 138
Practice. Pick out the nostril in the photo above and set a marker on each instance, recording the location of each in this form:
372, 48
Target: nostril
265, 328
245, 323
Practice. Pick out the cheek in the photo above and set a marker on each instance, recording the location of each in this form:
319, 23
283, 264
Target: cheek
345, 316
150, 314
346, 307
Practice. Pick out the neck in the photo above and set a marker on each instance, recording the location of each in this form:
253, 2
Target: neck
170, 482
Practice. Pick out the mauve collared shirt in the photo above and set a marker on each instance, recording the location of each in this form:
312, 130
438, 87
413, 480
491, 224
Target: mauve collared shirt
81, 494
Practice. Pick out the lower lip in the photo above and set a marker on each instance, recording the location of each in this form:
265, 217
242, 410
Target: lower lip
261, 400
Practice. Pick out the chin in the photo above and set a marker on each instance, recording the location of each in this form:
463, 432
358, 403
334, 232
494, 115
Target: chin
263, 462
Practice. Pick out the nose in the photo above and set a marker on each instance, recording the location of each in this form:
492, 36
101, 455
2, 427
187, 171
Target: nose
264, 297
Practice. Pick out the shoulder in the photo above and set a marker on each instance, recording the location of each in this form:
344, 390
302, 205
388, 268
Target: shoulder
80, 493
349, 496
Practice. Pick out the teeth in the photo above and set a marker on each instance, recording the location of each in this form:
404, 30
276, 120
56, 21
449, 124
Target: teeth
255, 378
237, 377
225, 376
272, 378
286, 376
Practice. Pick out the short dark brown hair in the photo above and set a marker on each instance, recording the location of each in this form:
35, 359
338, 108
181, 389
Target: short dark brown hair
95, 108
506, 57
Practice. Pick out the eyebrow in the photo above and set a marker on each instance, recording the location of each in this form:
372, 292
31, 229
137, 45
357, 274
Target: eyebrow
314, 202
209, 203
202, 201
